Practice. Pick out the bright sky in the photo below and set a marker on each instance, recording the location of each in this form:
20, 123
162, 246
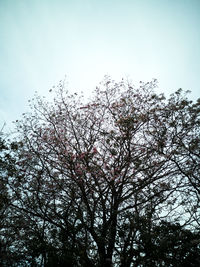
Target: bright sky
41, 41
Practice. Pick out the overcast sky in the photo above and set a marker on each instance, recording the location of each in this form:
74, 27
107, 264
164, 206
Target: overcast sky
41, 41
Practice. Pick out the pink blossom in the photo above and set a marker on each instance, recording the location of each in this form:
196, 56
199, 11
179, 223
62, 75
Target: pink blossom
78, 171
82, 155
73, 156
95, 150
44, 137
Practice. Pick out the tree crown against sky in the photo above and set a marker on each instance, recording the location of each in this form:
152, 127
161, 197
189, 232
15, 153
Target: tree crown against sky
104, 181
43, 41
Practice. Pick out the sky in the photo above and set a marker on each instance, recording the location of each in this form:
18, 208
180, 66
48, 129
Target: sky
42, 41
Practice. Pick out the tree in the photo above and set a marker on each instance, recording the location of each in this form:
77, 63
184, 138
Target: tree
3, 196
7, 168
96, 179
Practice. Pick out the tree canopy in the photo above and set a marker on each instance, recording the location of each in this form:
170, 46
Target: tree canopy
111, 181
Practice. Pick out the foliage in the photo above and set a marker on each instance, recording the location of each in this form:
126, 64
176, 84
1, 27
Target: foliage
110, 181
7, 168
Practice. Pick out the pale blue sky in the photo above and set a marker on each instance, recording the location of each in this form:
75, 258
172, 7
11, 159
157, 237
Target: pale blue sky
41, 41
